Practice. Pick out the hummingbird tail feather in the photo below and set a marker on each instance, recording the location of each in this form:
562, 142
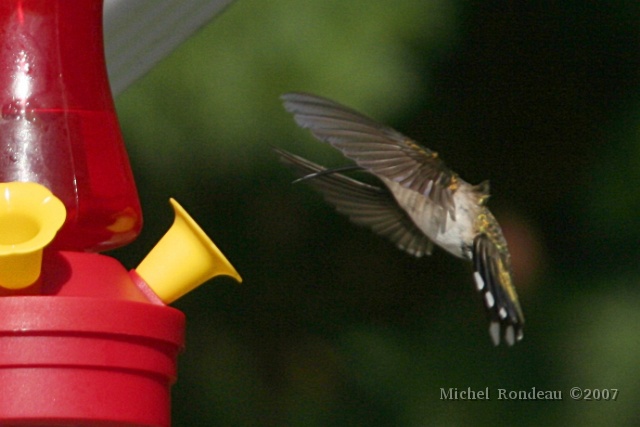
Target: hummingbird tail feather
492, 276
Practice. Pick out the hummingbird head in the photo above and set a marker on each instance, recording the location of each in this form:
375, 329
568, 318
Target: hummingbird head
482, 192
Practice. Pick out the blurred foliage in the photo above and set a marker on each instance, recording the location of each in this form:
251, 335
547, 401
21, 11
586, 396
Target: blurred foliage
334, 326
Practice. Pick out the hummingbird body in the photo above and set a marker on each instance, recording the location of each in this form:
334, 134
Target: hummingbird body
456, 237
421, 202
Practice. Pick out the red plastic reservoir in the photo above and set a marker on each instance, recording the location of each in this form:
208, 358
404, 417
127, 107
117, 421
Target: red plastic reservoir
58, 125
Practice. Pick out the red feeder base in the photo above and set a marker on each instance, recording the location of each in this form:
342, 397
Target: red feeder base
87, 361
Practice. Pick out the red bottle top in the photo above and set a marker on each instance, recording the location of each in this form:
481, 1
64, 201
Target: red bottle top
58, 125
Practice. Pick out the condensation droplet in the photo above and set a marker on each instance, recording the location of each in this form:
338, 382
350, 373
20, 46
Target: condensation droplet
12, 111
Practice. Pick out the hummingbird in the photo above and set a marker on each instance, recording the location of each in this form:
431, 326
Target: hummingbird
420, 202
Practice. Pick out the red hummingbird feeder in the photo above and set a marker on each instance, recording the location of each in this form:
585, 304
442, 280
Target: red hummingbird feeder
83, 341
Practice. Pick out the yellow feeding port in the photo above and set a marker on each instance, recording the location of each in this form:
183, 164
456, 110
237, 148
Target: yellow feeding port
30, 217
183, 259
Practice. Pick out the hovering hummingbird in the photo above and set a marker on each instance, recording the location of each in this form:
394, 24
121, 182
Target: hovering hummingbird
421, 202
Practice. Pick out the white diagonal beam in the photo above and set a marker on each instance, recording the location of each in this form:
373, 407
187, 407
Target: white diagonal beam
139, 33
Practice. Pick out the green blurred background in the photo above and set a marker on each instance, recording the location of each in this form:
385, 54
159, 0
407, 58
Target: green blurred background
334, 326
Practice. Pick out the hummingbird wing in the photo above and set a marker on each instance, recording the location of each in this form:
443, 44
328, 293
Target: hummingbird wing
364, 204
493, 279
376, 148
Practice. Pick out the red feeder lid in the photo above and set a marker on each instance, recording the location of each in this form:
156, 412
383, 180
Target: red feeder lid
86, 361
92, 352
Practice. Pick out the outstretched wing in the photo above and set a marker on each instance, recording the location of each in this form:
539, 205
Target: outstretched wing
493, 280
364, 204
376, 148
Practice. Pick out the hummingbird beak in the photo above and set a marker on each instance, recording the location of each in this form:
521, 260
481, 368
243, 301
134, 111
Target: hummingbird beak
327, 172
